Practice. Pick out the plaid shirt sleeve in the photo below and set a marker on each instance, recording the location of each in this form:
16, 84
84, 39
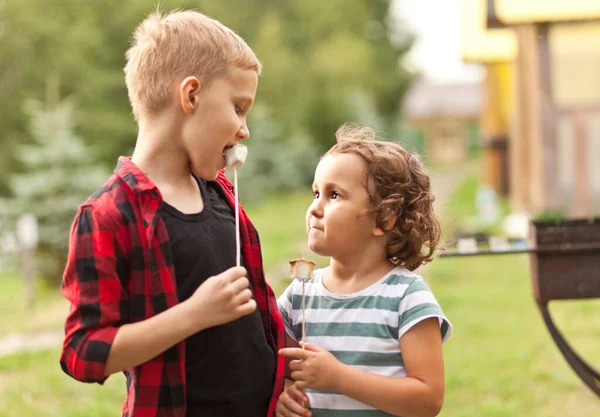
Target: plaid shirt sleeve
93, 284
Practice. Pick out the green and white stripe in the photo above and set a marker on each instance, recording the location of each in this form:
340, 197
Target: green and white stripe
361, 329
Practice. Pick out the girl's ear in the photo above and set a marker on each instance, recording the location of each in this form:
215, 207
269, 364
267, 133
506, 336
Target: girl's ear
387, 220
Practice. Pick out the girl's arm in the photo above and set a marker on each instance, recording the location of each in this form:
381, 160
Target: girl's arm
420, 394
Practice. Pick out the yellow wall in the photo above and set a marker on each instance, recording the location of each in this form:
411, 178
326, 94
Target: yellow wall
478, 44
522, 11
575, 63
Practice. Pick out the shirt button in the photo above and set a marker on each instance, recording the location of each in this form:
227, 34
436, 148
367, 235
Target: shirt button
154, 193
145, 223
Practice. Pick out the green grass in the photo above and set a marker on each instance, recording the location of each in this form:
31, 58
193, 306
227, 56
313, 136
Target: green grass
281, 226
280, 221
500, 361
461, 210
47, 313
32, 385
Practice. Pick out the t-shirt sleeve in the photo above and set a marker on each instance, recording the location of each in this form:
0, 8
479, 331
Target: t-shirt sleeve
285, 305
418, 304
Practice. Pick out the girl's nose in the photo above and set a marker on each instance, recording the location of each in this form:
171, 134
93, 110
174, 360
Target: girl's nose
315, 208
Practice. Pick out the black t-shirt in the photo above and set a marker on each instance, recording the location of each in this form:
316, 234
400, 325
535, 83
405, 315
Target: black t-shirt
230, 369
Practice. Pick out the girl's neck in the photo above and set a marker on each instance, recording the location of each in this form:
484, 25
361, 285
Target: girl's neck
352, 275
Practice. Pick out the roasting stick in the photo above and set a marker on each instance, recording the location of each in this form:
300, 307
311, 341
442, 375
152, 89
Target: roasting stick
235, 158
302, 270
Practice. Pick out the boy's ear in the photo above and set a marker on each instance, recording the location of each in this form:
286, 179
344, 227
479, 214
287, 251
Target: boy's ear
188, 93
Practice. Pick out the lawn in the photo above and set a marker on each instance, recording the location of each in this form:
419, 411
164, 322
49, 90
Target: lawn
500, 360
47, 313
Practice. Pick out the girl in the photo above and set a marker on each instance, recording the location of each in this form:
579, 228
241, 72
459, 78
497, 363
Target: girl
374, 329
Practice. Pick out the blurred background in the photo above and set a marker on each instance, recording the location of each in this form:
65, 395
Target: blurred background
500, 97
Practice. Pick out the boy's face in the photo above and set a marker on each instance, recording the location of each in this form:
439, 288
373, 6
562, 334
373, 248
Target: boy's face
334, 221
218, 120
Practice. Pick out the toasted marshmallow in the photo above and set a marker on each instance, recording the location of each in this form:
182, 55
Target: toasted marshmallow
302, 269
236, 156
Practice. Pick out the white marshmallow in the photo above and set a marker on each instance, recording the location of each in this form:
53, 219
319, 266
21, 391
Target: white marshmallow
236, 156
302, 269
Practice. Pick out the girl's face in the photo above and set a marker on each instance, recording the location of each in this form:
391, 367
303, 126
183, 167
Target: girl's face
335, 222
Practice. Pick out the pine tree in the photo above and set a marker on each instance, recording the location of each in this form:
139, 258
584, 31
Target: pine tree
59, 173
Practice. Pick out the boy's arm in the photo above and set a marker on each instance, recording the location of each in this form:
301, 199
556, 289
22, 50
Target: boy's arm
99, 341
93, 284
420, 394
218, 300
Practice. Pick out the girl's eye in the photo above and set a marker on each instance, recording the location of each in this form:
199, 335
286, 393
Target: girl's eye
316, 194
238, 110
335, 195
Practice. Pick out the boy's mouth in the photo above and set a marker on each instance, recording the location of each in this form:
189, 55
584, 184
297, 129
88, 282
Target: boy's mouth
224, 153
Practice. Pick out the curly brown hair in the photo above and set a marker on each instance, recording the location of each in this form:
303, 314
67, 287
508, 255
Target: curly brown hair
399, 192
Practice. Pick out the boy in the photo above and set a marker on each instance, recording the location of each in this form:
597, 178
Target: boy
147, 252
374, 329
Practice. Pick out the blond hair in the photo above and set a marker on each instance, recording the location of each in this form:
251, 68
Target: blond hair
166, 49
399, 192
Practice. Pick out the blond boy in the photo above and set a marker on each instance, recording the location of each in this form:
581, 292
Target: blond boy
151, 273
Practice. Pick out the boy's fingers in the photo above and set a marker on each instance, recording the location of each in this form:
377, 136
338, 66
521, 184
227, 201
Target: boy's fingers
247, 308
243, 297
240, 284
234, 273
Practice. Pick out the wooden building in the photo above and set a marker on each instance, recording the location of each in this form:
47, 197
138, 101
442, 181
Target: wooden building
543, 93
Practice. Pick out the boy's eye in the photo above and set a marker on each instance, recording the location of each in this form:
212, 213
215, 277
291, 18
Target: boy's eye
238, 110
335, 195
316, 194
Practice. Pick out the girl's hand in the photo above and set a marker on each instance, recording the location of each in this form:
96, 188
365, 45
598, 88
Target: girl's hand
293, 402
313, 367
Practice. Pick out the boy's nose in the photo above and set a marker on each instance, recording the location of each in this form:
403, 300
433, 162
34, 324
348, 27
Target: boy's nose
244, 133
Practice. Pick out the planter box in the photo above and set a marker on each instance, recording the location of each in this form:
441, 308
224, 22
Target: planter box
565, 261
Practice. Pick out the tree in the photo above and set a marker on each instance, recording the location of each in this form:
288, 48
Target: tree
318, 57
59, 174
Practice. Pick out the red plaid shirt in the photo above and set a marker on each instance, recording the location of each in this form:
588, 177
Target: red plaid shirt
120, 270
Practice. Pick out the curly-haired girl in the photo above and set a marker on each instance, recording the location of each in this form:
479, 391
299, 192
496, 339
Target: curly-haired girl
374, 329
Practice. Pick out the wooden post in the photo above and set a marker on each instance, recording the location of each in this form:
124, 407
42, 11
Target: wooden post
535, 116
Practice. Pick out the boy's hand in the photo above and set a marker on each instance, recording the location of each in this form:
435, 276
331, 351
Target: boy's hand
221, 299
293, 402
313, 367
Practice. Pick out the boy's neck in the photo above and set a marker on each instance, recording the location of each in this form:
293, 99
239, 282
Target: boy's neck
158, 153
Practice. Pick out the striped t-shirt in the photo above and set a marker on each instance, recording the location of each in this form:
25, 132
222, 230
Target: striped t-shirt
361, 329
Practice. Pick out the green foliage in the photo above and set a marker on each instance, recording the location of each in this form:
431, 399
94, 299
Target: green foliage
325, 63
462, 211
274, 164
318, 56
554, 216
58, 175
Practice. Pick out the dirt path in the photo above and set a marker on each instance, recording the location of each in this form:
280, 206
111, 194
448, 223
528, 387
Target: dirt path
28, 342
